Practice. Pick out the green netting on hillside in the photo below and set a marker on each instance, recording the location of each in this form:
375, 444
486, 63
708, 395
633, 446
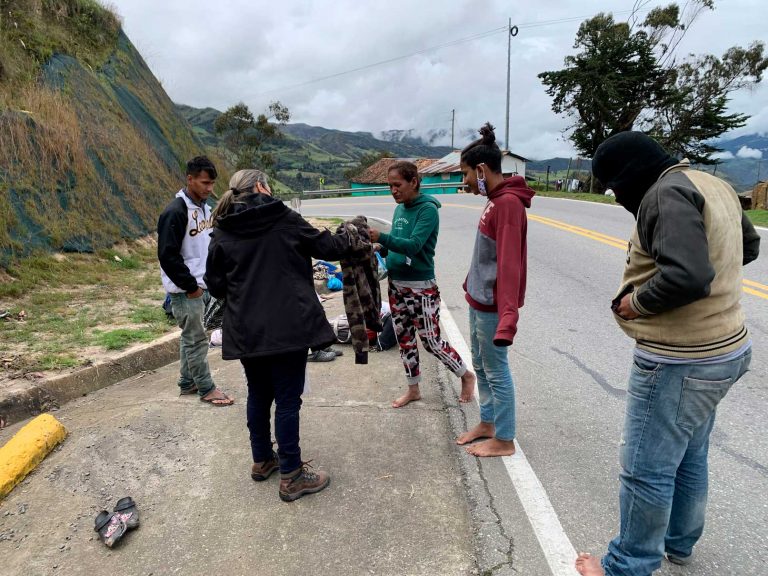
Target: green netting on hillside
96, 155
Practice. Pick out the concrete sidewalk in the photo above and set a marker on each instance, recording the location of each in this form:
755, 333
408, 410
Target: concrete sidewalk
396, 504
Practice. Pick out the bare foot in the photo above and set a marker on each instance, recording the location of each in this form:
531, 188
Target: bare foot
482, 430
412, 395
467, 387
588, 565
492, 447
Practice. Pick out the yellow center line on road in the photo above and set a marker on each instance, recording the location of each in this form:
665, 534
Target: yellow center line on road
756, 285
763, 295
750, 286
591, 234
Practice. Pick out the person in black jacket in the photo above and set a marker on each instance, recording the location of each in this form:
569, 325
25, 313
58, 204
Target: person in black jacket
259, 260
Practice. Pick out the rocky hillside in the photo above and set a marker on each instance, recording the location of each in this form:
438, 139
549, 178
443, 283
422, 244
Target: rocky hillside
91, 146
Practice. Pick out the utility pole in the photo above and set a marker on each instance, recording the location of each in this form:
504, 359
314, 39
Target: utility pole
509, 64
547, 188
567, 174
512, 32
758, 171
453, 124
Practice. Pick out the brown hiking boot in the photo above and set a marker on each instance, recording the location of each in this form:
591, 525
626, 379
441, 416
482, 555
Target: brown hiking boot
302, 481
260, 471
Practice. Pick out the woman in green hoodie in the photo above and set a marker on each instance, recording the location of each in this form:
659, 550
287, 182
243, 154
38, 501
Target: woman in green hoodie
414, 297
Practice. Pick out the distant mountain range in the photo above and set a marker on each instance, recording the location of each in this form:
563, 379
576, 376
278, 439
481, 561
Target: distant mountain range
309, 153
745, 156
747, 166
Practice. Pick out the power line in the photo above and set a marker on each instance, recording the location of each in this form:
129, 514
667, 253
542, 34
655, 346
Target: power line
478, 36
389, 60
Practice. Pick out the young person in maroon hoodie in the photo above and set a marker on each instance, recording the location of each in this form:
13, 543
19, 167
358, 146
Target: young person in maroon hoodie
495, 290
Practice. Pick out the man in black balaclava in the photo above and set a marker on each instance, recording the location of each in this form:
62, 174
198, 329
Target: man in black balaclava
629, 163
680, 301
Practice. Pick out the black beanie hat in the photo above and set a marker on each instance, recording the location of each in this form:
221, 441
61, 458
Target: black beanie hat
629, 163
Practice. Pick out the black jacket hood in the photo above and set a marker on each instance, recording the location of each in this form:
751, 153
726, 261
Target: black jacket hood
630, 163
253, 214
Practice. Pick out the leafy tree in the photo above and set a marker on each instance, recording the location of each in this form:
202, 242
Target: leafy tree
626, 76
245, 134
695, 111
366, 160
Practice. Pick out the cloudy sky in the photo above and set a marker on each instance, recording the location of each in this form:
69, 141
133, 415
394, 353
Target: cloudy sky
322, 59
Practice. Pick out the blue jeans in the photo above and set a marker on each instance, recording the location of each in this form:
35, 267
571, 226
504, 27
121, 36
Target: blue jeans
278, 379
494, 380
193, 344
663, 495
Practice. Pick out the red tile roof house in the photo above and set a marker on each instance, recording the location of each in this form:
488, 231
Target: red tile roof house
373, 180
442, 176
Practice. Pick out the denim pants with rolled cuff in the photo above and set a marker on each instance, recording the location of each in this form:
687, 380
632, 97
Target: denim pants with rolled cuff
494, 379
278, 379
193, 344
669, 416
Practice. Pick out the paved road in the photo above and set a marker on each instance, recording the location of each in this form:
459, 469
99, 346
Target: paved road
571, 362
395, 505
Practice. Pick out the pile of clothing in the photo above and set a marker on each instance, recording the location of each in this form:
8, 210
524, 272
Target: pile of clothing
329, 272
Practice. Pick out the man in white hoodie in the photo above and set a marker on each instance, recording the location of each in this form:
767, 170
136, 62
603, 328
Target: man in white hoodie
183, 235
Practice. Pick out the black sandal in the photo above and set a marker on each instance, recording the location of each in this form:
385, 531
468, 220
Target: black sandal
110, 528
128, 513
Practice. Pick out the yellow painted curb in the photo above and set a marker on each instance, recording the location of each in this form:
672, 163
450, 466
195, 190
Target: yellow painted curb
26, 450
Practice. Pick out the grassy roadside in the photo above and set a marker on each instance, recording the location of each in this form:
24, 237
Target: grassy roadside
758, 217
586, 196
63, 311
69, 310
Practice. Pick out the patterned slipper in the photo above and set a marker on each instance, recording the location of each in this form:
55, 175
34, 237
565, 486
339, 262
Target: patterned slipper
110, 528
128, 513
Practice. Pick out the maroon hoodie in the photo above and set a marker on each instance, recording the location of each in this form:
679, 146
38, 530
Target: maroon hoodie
496, 278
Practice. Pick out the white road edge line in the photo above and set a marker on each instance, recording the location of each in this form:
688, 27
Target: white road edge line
557, 548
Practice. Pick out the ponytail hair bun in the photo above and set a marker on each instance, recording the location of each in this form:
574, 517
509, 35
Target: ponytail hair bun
483, 150
487, 134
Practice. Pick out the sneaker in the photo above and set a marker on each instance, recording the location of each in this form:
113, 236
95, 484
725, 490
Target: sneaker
336, 351
303, 481
679, 560
321, 356
260, 471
